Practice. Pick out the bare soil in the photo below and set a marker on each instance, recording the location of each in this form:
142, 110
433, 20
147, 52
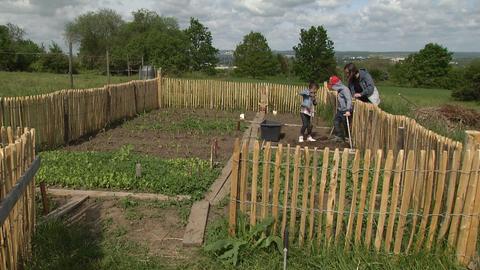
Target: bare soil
154, 134
153, 225
321, 131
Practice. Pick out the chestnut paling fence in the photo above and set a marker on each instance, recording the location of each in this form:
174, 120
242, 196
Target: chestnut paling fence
394, 203
17, 196
372, 128
67, 115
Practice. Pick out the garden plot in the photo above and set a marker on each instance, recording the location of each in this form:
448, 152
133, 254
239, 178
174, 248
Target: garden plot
172, 133
165, 152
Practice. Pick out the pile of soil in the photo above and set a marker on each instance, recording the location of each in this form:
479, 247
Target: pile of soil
454, 117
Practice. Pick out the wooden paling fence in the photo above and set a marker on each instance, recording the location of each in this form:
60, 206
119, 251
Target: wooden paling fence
67, 115
224, 95
372, 128
17, 195
394, 203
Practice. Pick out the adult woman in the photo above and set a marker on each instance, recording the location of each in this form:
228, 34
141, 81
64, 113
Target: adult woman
361, 84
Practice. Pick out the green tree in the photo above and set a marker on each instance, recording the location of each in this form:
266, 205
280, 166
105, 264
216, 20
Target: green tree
470, 90
6, 46
54, 61
314, 55
18, 53
253, 57
155, 38
430, 67
95, 31
203, 56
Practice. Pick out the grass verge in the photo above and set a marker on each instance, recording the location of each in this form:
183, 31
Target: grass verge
32, 83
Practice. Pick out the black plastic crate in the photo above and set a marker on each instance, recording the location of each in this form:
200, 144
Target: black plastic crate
270, 130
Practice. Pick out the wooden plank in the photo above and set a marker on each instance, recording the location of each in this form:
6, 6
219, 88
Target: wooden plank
438, 197
116, 194
341, 195
306, 177
16, 191
63, 210
331, 197
197, 222
244, 176
405, 202
266, 180
353, 204
321, 192
311, 222
473, 231
253, 206
418, 190
234, 189
276, 186
427, 199
394, 201
363, 196
468, 210
373, 196
460, 197
293, 205
286, 192
452, 185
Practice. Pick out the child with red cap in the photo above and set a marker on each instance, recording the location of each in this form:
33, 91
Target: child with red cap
344, 108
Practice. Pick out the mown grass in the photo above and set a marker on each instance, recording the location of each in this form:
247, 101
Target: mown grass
116, 170
28, 83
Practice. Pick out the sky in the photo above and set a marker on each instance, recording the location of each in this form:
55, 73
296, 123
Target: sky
361, 25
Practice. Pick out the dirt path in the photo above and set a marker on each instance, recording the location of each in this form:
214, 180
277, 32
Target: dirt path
290, 134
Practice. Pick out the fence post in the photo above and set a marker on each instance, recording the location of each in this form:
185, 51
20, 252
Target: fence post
66, 121
400, 138
234, 189
472, 140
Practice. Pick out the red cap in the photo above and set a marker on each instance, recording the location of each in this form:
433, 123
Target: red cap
333, 80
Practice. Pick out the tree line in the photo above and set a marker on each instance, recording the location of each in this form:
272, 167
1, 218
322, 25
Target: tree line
159, 41
20, 54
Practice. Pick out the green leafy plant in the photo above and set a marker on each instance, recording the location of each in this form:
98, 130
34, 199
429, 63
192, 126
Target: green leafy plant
230, 249
116, 170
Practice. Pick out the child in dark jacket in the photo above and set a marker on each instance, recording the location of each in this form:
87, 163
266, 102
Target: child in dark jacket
307, 111
344, 108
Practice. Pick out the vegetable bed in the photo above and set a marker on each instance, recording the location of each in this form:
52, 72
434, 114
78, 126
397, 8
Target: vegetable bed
116, 170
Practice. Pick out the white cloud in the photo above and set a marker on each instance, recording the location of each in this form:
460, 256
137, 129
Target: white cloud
352, 24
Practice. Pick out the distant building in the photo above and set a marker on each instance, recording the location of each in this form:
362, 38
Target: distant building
397, 59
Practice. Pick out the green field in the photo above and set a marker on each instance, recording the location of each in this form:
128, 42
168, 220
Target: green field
421, 97
27, 83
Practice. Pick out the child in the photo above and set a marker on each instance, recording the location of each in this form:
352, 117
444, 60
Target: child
307, 111
344, 108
